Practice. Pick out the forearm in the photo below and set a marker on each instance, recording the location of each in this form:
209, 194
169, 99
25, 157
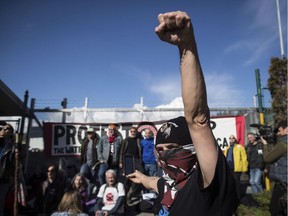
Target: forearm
196, 111
273, 154
149, 182
98, 203
193, 85
118, 204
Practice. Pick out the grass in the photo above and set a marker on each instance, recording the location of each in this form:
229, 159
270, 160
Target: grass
263, 210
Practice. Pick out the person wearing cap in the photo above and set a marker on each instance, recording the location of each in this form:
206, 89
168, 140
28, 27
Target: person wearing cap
7, 160
277, 157
89, 158
108, 152
196, 178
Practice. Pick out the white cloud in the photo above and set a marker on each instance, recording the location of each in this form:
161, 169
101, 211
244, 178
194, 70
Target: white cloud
261, 31
221, 92
175, 103
166, 88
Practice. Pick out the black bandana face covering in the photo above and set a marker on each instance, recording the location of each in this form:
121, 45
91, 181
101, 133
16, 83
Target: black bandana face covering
178, 163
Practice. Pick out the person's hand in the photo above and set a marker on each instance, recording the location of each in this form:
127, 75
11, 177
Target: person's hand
97, 213
136, 177
175, 28
263, 141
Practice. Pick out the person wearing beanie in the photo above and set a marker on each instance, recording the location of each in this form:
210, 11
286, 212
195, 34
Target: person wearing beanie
196, 178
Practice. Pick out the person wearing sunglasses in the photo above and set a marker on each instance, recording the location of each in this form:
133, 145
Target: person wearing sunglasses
196, 179
7, 161
237, 161
51, 194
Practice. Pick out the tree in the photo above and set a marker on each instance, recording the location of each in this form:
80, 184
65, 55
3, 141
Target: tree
277, 85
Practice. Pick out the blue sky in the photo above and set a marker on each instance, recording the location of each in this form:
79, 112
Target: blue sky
108, 50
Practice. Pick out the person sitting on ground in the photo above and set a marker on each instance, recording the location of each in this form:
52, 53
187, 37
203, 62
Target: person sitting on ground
79, 184
51, 192
70, 205
196, 179
111, 196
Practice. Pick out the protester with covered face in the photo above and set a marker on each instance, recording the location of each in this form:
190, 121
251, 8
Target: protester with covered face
196, 179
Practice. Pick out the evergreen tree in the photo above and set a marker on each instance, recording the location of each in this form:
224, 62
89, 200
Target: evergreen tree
277, 85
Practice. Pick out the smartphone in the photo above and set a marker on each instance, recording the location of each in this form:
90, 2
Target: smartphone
129, 165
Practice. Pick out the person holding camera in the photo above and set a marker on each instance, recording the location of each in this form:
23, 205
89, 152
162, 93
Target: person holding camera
254, 150
277, 157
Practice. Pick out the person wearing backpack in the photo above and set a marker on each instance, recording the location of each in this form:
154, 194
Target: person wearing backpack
111, 196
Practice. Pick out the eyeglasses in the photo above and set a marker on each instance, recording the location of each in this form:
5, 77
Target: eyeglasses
133, 131
5, 128
231, 137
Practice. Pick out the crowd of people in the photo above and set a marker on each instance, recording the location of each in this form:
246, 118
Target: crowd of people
196, 176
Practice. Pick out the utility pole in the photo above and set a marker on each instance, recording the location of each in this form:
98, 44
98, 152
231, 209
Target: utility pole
259, 95
64, 106
261, 114
280, 30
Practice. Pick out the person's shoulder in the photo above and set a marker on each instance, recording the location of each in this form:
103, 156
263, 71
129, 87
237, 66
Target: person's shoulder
119, 184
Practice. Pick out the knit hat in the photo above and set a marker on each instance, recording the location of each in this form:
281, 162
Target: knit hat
174, 131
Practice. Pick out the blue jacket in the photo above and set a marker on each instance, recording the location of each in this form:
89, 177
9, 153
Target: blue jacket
148, 156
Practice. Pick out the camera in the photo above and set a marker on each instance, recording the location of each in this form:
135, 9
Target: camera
266, 132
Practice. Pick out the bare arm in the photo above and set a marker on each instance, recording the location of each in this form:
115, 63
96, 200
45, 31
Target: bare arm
176, 28
149, 182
